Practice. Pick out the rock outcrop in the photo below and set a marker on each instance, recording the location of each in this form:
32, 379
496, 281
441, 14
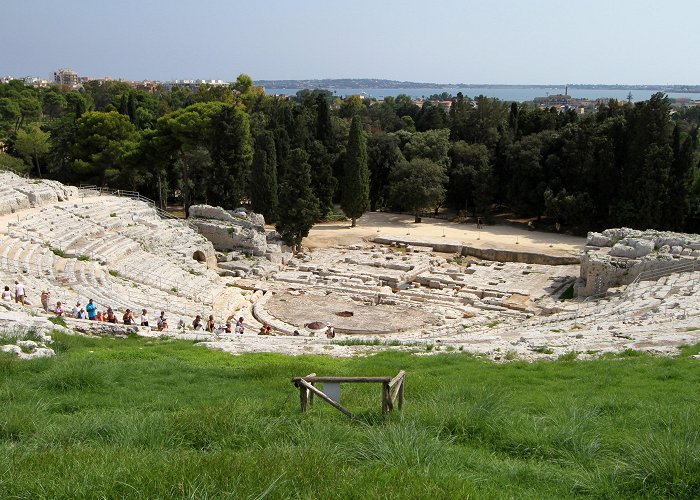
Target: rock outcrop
231, 229
18, 193
617, 256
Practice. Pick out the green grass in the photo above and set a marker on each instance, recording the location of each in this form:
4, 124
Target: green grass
136, 418
543, 350
58, 320
83, 257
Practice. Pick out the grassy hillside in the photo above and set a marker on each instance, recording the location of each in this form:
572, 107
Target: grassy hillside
142, 418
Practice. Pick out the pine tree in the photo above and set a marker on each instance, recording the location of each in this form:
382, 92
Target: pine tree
298, 206
263, 177
355, 200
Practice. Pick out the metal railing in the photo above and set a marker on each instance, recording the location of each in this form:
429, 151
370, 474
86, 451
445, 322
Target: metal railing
92, 190
686, 266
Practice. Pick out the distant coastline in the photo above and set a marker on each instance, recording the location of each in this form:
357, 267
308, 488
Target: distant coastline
374, 83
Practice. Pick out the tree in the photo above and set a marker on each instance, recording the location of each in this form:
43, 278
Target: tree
298, 206
324, 130
183, 130
382, 154
355, 198
322, 180
102, 143
33, 143
12, 163
351, 106
677, 205
232, 157
244, 83
417, 185
471, 177
433, 145
263, 177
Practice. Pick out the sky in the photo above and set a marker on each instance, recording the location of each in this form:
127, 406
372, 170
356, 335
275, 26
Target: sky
440, 41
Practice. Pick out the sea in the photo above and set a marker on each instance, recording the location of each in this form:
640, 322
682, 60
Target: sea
505, 94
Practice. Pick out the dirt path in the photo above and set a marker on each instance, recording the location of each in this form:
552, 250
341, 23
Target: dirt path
499, 236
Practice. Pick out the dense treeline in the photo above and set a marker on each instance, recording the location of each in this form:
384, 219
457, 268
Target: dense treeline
294, 159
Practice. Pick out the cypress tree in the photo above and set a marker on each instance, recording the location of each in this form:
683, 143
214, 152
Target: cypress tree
322, 180
324, 131
298, 206
131, 109
232, 155
355, 199
263, 177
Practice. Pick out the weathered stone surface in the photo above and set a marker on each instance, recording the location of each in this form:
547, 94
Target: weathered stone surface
230, 230
598, 240
634, 253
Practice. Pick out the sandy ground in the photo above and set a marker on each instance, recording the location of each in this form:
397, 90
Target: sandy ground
498, 236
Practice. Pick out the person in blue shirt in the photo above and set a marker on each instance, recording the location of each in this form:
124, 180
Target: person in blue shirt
91, 310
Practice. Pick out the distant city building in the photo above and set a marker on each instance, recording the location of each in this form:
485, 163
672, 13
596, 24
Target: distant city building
65, 76
192, 84
33, 81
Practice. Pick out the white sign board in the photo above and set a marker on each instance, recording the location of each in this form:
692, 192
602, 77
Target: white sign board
332, 391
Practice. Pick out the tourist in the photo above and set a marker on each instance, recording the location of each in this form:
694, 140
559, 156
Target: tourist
128, 318
265, 329
330, 332
239, 326
82, 314
478, 223
111, 317
91, 310
557, 226
59, 309
100, 316
296, 333
19, 293
210, 324
144, 317
530, 226
45, 296
76, 310
162, 322
7, 294
197, 323
228, 328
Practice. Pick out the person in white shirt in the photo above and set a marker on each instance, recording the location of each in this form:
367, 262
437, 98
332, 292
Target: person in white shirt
7, 294
144, 317
76, 310
19, 292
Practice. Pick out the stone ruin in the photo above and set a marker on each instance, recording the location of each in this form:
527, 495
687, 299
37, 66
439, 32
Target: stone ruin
618, 256
243, 245
18, 193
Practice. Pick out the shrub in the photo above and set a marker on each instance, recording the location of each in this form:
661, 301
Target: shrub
58, 252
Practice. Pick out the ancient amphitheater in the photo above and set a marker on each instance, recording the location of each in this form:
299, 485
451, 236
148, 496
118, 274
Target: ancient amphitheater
434, 287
